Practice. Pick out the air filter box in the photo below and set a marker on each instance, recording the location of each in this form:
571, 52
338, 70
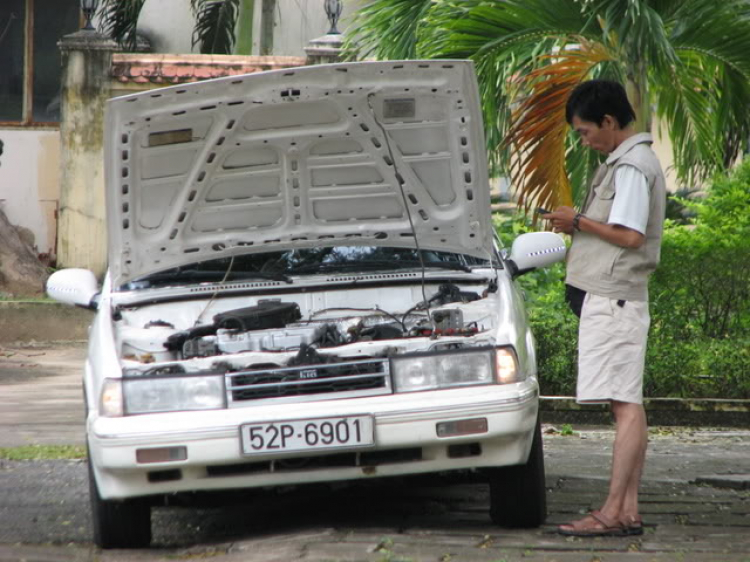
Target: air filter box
264, 315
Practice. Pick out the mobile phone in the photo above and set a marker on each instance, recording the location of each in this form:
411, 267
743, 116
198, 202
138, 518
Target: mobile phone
542, 211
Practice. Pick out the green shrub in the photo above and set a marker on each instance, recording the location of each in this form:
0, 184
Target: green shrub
702, 286
698, 368
699, 344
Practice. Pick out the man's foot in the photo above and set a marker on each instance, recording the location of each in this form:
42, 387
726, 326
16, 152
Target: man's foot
632, 524
595, 524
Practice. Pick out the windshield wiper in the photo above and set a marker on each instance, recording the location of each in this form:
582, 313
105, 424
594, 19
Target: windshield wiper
441, 265
211, 276
376, 264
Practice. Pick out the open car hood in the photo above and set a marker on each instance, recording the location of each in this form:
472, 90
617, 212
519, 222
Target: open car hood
368, 153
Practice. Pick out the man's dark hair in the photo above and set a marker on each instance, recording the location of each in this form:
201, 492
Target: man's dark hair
594, 99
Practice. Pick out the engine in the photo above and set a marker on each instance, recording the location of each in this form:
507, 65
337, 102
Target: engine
276, 331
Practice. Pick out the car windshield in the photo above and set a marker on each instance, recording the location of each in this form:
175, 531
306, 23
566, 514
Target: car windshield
282, 265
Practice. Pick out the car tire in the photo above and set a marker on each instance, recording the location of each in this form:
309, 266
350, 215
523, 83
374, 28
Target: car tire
518, 496
119, 523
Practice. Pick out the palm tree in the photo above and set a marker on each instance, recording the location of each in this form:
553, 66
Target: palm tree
686, 61
218, 23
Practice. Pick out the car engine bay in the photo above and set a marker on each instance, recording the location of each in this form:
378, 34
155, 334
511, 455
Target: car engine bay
276, 333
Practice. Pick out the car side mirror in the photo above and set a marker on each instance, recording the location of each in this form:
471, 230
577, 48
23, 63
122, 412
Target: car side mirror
74, 286
535, 249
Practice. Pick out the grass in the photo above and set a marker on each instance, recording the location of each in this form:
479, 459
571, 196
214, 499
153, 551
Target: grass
43, 452
25, 300
567, 429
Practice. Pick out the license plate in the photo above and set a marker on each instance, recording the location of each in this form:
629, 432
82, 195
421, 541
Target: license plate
307, 435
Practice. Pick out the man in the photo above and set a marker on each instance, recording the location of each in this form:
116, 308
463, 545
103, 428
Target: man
616, 246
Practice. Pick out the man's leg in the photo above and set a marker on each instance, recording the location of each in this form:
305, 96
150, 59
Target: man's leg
631, 440
621, 506
599, 357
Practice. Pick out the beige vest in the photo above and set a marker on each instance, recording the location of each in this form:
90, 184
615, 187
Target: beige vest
603, 268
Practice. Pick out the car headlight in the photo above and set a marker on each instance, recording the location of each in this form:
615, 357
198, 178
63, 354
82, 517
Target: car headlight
162, 394
412, 373
467, 367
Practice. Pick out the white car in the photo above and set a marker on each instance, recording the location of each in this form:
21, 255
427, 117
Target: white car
304, 285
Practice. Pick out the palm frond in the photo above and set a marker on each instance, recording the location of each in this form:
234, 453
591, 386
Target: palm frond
509, 25
505, 39
386, 29
539, 131
119, 18
732, 122
717, 30
713, 44
635, 30
215, 25
687, 103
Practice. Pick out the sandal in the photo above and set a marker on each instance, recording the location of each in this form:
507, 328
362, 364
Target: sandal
601, 526
632, 525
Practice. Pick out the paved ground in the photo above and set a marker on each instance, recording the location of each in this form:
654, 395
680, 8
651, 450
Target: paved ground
41, 394
44, 504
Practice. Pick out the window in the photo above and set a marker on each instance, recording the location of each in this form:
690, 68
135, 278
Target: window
30, 61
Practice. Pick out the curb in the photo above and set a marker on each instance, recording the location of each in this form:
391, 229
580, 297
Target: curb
713, 412
731, 481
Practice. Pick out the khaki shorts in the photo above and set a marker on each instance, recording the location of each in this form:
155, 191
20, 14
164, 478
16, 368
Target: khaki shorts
611, 350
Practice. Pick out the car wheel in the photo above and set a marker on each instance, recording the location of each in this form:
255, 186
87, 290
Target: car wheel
518, 497
119, 523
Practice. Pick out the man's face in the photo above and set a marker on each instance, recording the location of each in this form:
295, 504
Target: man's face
598, 137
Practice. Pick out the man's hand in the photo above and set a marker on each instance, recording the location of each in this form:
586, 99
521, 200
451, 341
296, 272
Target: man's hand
562, 219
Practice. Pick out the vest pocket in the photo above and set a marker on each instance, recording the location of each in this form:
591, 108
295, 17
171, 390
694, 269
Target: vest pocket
612, 260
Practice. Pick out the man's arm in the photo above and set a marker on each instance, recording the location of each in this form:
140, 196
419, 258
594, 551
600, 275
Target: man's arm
562, 221
627, 219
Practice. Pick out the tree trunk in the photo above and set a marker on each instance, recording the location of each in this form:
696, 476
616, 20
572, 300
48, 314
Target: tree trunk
636, 87
21, 272
244, 31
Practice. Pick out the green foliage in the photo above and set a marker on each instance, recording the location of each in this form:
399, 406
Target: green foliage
215, 25
699, 344
678, 205
119, 19
697, 368
702, 287
566, 429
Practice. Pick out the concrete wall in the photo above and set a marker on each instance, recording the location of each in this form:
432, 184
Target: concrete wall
29, 186
82, 232
168, 25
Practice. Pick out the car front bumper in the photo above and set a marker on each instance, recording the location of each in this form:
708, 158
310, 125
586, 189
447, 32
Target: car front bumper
406, 442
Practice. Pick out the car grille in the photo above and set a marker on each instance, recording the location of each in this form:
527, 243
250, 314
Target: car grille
297, 384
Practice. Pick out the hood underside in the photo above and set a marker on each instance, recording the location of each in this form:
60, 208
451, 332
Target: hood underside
316, 156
